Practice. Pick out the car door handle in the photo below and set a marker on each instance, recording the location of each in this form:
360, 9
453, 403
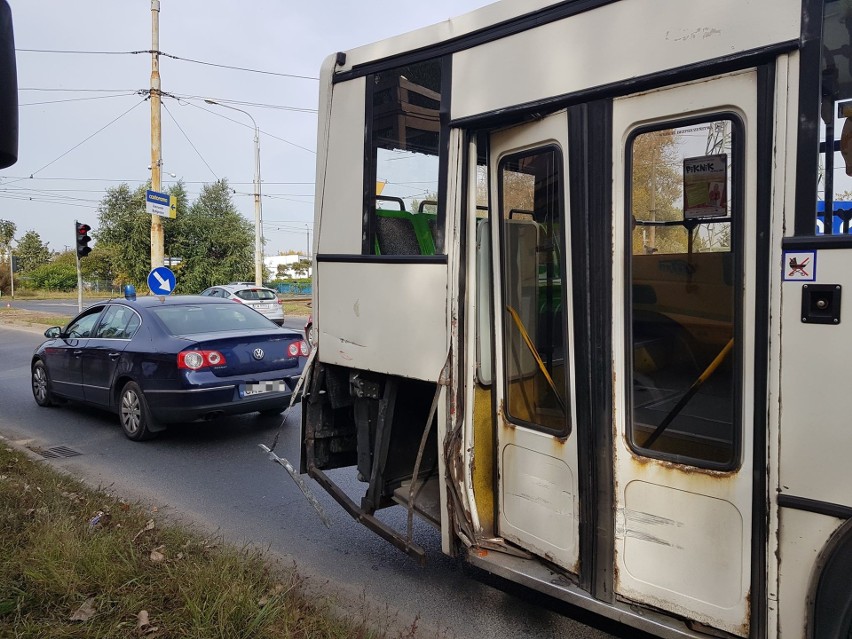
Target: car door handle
114, 356
77, 352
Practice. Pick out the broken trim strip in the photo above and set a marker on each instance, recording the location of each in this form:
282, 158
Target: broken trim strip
383, 531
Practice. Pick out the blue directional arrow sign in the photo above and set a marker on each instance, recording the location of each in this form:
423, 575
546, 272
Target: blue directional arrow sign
161, 281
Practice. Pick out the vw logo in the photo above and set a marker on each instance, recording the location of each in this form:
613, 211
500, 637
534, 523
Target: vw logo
257, 353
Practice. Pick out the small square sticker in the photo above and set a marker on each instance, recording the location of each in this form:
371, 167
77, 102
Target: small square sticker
799, 266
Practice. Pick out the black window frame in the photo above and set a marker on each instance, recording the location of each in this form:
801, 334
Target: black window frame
736, 203
808, 147
560, 154
368, 224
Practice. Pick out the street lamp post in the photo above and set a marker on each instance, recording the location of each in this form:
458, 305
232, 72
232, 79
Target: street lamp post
258, 217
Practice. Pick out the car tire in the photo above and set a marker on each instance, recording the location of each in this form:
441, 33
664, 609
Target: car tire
134, 415
42, 392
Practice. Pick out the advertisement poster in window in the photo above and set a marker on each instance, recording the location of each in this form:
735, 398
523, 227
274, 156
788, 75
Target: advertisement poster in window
705, 186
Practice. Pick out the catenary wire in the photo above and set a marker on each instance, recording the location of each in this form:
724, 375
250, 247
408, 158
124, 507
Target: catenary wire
194, 148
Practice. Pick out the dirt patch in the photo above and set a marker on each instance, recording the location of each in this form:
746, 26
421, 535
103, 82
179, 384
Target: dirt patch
28, 318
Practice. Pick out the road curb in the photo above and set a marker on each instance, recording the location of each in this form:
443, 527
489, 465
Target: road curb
20, 325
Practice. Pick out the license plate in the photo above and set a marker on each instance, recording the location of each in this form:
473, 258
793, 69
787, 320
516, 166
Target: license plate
264, 307
262, 387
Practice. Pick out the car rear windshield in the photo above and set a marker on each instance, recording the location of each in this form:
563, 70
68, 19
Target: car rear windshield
252, 294
188, 319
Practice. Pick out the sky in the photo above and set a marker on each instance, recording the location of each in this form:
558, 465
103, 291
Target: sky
85, 126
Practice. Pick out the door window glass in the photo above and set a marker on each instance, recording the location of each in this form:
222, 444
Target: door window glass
117, 323
82, 326
531, 231
684, 195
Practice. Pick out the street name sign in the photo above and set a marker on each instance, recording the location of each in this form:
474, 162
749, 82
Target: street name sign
161, 204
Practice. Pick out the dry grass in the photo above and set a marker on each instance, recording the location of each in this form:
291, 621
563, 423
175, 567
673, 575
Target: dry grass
85, 564
22, 316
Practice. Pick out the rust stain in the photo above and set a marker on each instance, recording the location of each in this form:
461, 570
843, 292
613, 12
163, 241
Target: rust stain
642, 461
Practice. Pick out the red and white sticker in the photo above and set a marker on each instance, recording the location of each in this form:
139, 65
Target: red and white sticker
799, 266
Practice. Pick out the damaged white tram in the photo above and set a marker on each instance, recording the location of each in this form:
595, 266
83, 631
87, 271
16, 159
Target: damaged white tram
577, 303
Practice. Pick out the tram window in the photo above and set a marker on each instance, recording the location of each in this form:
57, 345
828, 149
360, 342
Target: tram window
835, 166
531, 231
402, 217
683, 208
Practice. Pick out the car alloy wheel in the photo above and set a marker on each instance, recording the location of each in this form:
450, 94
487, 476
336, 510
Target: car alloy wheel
133, 413
41, 385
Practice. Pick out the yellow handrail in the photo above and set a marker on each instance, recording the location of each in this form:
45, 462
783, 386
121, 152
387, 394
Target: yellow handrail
535, 354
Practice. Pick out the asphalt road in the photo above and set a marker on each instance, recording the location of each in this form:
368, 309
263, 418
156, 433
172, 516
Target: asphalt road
213, 476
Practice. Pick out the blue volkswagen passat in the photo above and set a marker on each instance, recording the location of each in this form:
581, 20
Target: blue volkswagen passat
161, 360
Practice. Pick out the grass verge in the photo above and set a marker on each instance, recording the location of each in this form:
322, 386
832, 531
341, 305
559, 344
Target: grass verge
23, 316
85, 564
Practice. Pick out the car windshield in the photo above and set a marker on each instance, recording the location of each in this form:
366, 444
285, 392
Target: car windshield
187, 319
256, 294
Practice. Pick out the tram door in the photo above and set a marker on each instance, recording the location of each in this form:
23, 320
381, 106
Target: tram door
536, 439
683, 297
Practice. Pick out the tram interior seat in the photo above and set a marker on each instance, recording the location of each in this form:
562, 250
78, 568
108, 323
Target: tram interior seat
399, 232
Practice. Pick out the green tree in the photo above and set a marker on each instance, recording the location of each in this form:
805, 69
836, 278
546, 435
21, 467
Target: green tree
657, 186
303, 267
32, 252
215, 243
124, 235
124, 229
5, 276
7, 233
98, 264
54, 276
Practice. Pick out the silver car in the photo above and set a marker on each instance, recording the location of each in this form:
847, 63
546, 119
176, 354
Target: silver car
263, 300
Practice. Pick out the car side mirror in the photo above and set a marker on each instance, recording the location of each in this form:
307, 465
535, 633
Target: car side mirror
53, 332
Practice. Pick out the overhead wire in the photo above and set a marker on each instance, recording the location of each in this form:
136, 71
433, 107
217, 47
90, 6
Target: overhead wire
243, 124
262, 105
173, 57
83, 141
97, 97
194, 148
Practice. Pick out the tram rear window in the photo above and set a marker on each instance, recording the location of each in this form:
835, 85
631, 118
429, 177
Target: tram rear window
401, 216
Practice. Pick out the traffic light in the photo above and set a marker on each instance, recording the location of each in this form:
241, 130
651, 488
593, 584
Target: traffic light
83, 239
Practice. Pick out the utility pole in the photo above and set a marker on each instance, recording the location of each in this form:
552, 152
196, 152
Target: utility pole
156, 134
11, 273
308, 241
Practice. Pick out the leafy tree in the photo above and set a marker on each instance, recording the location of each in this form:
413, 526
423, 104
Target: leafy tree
5, 276
32, 252
302, 268
215, 243
98, 264
7, 233
657, 187
124, 226
124, 235
54, 276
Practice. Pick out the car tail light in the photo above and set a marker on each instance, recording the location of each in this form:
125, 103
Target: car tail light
194, 360
295, 349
